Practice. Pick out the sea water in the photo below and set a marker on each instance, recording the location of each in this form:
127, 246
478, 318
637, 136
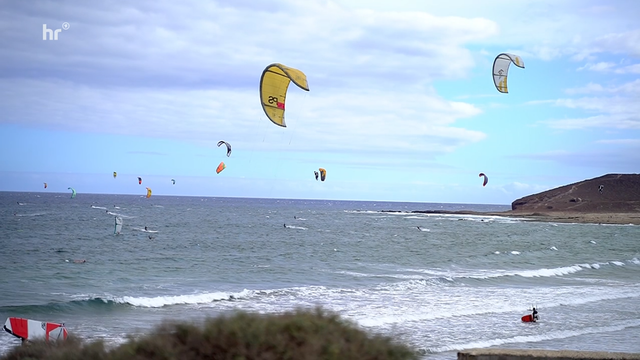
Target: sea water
458, 282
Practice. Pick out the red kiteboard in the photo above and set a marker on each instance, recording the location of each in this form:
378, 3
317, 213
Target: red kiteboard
527, 318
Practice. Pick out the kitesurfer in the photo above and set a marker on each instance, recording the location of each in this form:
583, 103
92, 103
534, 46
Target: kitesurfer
534, 315
285, 225
419, 228
145, 228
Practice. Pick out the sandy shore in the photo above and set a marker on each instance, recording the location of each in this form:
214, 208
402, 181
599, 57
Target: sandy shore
623, 218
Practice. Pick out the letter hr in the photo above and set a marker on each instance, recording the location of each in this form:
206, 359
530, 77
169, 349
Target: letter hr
53, 35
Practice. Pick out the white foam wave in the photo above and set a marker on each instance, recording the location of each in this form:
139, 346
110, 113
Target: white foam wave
295, 227
34, 214
400, 308
98, 207
193, 299
145, 230
394, 276
484, 274
553, 335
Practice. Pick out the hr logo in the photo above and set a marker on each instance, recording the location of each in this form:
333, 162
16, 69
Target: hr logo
53, 34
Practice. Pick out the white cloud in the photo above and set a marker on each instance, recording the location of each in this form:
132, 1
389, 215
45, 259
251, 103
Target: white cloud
632, 142
601, 66
191, 72
330, 122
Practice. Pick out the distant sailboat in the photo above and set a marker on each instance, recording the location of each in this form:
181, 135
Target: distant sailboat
118, 226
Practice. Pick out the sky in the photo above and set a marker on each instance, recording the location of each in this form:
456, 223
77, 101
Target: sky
401, 103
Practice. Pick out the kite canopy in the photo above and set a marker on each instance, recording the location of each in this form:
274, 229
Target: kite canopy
221, 142
73, 192
115, 174
221, 167
501, 69
273, 89
486, 179
173, 181
323, 174
316, 174
45, 185
27, 329
139, 180
148, 193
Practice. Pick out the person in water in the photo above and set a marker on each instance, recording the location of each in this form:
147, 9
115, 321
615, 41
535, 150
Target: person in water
419, 228
145, 228
534, 315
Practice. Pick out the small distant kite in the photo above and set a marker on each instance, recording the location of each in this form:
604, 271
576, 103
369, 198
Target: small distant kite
173, 181
221, 167
486, 179
501, 69
316, 174
73, 192
601, 188
115, 174
139, 180
148, 193
45, 185
221, 142
323, 174
273, 90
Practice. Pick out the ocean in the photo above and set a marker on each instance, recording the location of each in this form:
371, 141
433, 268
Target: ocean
458, 282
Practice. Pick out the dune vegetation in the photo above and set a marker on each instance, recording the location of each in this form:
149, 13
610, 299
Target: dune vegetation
300, 335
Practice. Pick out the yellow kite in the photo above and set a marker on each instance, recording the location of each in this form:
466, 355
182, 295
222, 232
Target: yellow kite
273, 89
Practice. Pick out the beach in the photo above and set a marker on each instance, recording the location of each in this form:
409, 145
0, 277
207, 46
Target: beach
579, 217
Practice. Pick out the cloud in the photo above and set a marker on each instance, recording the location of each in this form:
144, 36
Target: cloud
601, 66
632, 142
611, 67
621, 159
609, 107
191, 71
632, 87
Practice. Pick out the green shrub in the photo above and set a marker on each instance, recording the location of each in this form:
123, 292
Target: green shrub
299, 335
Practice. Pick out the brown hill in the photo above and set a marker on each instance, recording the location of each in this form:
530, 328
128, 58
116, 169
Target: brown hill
611, 193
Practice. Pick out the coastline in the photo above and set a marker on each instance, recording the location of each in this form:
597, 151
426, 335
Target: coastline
612, 218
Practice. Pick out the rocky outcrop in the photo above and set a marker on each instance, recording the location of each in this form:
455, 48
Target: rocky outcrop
609, 193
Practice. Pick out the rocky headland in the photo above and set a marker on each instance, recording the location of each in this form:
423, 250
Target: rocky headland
608, 199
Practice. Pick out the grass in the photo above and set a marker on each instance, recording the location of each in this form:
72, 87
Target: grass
299, 335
